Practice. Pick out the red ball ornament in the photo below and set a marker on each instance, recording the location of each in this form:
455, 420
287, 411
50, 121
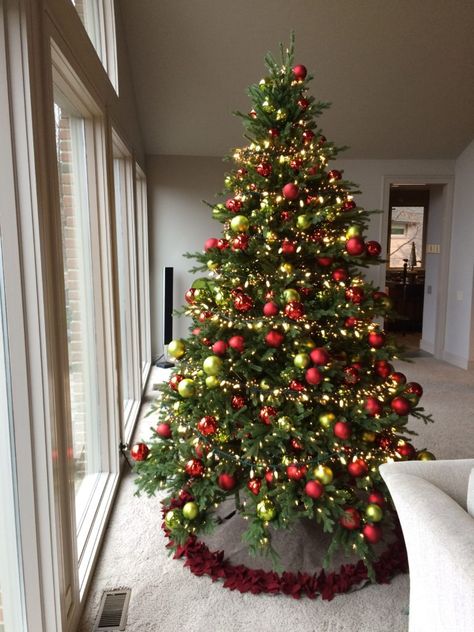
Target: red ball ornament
223, 244
398, 378
264, 169
355, 294
342, 430
349, 205
355, 246
376, 498
254, 485
406, 450
357, 468
299, 72
351, 375
286, 216
189, 296
210, 243
303, 103
139, 451
350, 519
334, 175
350, 322
269, 476
296, 163
184, 496
290, 191
314, 489
296, 385
238, 401
414, 388
288, 247
313, 376
206, 342
383, 368
296, 472
266, 414
324, 262
175, 380
203, 316
240, 242
274, 132
372, 533
243, 303
373, 248
321, 141
308, 135
241, 172
233, 205
194, 467
274, 338
219, 347
163, 430
270, 309
200, 450
400, 405
313, 170
207, 425
376, 339
294, 310
319, 356
339, 275
237, 343
226, 481
372, 406
296, 445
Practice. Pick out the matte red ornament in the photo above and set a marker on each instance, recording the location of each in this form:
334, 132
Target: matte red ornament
414, 388
296, 472
299, 72
288, 247
355, 246
373, 248
274, 338
175, 380
357, 468
264, 169
226, 481
319, 356
398, 378
210, 243
286, 216
219, 347
349, 205
376, 498
298, 386
313, 376
376, 339
266, 414
342, 430
207, 425
233, 205
189, 296
339, 275
243, 303
377, 296
324, 262
240, 242
350, 519
308, 135
334, 175
383, 368
269, 476
270, 309
400, 405
372, 406
223, 244
351, 375
238, 401
237, 343
372, 533
274, 132
294, 310
313, 170
290, 191
314, 489
194, 467
163, 430
254, 485
139, 451
355, 294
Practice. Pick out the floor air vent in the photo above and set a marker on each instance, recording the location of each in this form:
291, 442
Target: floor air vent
113, 611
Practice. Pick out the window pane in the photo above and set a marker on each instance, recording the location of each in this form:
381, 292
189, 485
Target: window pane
79, 296
406, 236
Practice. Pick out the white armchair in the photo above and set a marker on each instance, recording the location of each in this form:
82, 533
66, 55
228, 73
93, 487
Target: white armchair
431, 498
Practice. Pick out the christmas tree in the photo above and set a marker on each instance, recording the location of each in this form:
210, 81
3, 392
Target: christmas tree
283, 394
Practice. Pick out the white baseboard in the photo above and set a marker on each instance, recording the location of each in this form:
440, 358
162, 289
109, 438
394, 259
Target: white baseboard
459, 361
427, 346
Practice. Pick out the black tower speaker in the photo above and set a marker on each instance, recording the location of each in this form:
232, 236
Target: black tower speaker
167, 312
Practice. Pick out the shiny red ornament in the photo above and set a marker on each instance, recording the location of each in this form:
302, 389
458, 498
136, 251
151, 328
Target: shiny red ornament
294, 310
274, 338
264, 169
351, 375
240, 242
372, 533
163, 430
313, 376
324, 262
305, 291
253, 114
206, 342
296, 445
334, 175
296, 472
383, 368
385, 442
355, 246
398, 378
355, 294
210, 243
194, 467
238, 401
314, 489
319, 356
349, 205
406, 450
286, 216
241, 172
342, 430
226, 482
200, 450
376, 498
223, 244
296, 385
290, 191
357, 468
189, 296
299, 72
139, 451
339, 275
219, 347
207, 425
203, 316
254, 485
243, 303
400, 405
303, 103
184, 496
350, 519
237, 343
372, 406
376, 339
373, 248
350, 321
414, 388
175, 380
233, 205
270, 309
269, 476
288, 247
296, 163
313, 170
274, 132
266, 414
308, 135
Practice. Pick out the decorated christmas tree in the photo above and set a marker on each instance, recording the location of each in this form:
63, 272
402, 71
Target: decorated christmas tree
283, 396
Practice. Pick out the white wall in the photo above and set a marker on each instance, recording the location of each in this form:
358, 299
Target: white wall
459, 342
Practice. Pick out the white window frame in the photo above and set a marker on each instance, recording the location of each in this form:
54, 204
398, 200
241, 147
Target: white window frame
143, 271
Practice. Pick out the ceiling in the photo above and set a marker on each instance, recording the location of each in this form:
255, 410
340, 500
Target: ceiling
399, 73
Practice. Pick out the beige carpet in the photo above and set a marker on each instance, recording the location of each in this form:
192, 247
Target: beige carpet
166, 597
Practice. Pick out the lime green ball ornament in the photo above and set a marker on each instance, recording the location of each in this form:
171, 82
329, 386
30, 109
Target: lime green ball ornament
212, 381
190, 510
176, 349
301, 361
291, 295
265, 384
353, 231
374, 513
186, 388
324, 474
303, 221
284, 423
212, 365
239, 224
172, 519
424, 455
266, 510
327, 419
